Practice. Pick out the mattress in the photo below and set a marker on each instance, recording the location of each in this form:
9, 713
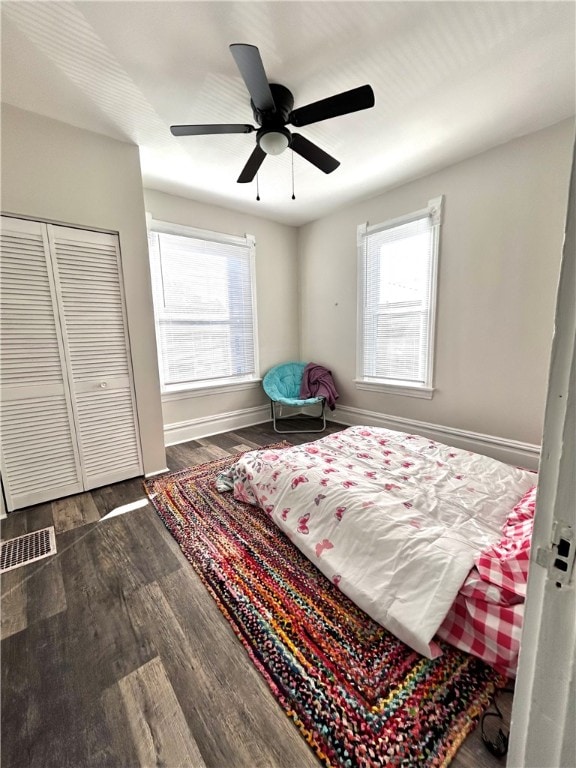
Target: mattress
396, 521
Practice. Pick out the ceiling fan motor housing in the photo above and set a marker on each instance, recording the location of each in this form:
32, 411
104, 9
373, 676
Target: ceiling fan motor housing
284, 102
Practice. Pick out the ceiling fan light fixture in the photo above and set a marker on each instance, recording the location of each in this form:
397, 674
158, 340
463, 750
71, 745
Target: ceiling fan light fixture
274, 142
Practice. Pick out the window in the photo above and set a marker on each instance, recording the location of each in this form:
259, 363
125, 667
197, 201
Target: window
204, 307
397, 297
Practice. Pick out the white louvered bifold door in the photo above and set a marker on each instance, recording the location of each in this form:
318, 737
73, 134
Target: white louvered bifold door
89, 285
39, 451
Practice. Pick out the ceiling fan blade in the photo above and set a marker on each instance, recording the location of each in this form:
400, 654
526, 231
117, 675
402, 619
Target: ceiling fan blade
249, 62
203, 130
313, 154
251, 168
333, 106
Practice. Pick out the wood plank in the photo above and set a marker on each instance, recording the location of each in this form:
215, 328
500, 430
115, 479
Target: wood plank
177, 457
31, 593
27, 520
15, 524
74, 511
15, 698
225, 441
159, 730
122, 747
14, 617
101, 641
110, 497
183, 455
214, 451
116, 556
50, 716
242, 443
242, 447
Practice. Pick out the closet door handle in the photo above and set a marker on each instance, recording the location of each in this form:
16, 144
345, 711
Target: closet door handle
103, 385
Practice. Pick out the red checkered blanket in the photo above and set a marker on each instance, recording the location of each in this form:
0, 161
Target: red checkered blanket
486, 617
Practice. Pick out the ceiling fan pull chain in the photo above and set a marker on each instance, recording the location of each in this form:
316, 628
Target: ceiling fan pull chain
257, 188
293, 195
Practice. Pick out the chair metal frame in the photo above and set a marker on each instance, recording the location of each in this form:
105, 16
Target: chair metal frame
275, 418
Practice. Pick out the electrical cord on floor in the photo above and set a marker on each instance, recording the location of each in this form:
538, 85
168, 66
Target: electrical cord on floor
496, 744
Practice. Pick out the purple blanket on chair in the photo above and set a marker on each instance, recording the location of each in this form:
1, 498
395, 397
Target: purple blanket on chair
317, 382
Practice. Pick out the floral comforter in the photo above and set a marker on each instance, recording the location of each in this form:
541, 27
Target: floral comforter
395, 520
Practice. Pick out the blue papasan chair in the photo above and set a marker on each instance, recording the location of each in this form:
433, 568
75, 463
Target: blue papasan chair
282, 385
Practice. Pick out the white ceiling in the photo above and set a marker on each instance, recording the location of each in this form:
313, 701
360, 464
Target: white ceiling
451, 79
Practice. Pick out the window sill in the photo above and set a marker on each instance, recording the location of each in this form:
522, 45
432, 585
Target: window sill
406, 390
204, 390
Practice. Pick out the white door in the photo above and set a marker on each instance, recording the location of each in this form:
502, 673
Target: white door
39, 453
543, 731
68, 409
91, 298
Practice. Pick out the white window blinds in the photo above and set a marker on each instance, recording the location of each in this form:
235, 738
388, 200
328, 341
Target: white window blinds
398, 275
203, 289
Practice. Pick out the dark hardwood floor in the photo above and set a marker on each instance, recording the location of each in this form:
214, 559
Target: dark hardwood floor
114, 654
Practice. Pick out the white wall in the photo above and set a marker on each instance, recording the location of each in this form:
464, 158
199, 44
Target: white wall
501, 245
500, 254
277, 306
53, 171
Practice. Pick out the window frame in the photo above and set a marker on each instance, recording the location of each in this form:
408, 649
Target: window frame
225, 384
433, 211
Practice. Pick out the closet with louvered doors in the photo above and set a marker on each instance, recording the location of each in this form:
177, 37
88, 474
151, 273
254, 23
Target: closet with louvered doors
68, 412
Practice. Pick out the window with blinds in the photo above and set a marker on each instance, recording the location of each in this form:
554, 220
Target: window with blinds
204, 306
398, 266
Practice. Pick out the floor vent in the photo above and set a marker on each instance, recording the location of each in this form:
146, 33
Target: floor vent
27, 549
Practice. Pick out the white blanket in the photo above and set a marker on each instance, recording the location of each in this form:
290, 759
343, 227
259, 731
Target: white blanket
394, 520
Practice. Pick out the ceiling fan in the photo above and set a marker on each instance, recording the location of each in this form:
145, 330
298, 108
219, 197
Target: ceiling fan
272, 107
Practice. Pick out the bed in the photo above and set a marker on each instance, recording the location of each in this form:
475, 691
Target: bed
431, 541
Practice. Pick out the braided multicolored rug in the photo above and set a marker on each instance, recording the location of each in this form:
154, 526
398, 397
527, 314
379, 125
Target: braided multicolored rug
359, 696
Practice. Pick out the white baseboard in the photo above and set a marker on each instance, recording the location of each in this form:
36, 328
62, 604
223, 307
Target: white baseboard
193, 429
509, 451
